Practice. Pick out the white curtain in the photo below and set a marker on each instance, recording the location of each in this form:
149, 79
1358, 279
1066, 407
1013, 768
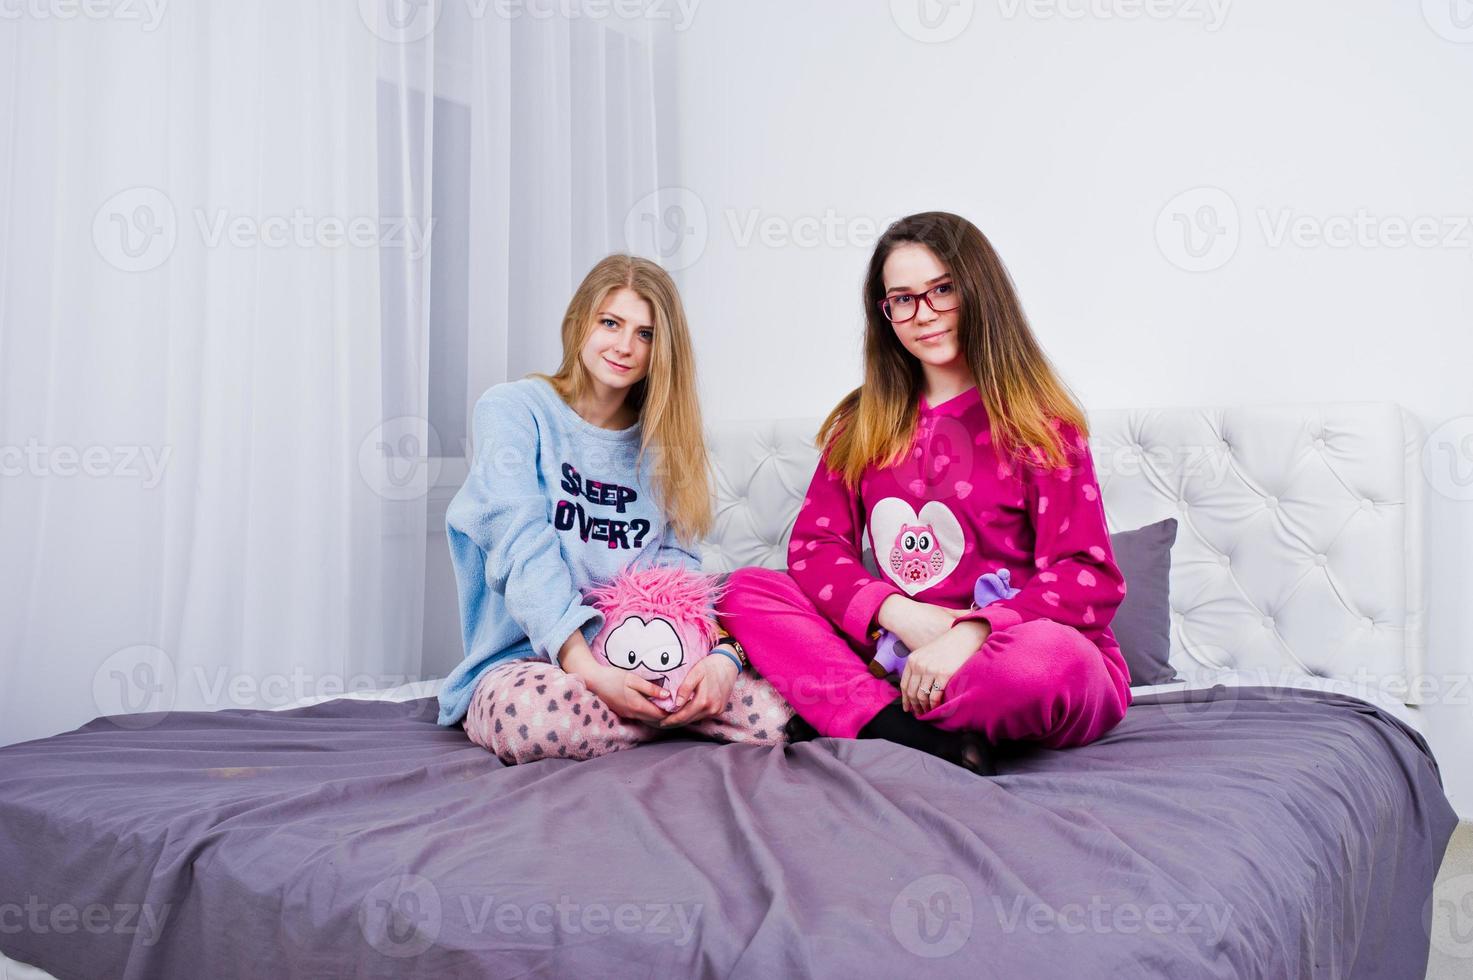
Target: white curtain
233, 385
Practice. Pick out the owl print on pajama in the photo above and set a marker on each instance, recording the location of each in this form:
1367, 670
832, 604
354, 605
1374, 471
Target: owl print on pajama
917, 556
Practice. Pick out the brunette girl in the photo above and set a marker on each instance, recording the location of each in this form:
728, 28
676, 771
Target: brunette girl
961, 454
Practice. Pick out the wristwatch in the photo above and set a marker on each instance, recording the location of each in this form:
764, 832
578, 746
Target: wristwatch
727, 640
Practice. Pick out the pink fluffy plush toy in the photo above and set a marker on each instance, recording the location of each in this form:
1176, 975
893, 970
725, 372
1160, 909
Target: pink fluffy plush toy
657, 622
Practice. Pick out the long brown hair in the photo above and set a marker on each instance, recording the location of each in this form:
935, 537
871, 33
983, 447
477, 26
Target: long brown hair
1025, 400
665, 397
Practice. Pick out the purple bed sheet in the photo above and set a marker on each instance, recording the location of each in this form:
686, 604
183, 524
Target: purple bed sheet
1241, 832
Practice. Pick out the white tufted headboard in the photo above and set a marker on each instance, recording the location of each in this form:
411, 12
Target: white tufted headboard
1299, 538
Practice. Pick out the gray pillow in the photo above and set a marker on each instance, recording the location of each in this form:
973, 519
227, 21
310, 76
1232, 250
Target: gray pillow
1142, 623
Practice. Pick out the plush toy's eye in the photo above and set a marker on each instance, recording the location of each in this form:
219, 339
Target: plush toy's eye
621, 646
925, 542
909, 542
653, 644
665, 653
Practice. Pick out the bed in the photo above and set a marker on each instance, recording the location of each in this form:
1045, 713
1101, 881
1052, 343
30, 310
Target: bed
1275, 814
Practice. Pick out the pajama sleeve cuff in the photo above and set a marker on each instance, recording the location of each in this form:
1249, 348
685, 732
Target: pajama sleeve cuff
996, 615
859, 618
577, 617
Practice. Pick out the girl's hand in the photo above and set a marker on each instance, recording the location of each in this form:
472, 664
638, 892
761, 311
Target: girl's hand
930, 669
707, 688
626, 693
916, 623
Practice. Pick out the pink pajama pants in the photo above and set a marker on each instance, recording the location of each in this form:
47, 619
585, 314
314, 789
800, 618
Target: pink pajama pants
528, 710
1038, 680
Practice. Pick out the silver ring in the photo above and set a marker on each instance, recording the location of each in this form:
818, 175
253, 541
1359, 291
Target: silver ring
932, 687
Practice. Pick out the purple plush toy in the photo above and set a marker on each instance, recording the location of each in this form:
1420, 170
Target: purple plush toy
890, 655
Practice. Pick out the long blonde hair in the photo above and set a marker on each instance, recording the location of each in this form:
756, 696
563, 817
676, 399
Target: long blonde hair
665, 398
1025, 400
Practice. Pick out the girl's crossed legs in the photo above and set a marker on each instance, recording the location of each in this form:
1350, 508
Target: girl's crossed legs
1039, 680
529, 709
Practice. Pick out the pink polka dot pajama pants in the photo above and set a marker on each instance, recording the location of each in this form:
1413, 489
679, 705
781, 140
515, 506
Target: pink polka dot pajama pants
1038, 680
529, 710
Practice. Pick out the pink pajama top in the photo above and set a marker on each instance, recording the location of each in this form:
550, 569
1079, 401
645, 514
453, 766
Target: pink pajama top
952, 510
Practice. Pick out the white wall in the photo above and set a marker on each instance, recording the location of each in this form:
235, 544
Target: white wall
1067, 132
